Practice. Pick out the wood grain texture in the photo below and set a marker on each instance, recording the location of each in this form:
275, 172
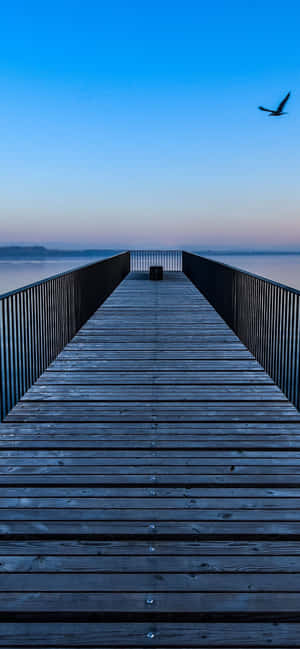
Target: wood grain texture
150, 487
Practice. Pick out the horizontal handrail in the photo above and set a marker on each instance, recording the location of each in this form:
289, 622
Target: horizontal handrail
264, 314
141, 260
38, 320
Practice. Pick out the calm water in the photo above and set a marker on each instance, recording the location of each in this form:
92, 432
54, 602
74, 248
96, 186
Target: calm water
14, 274
281, 268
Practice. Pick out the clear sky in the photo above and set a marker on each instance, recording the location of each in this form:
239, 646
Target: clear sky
135, 123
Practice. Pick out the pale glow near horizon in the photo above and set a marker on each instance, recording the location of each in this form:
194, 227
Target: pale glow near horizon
144, 132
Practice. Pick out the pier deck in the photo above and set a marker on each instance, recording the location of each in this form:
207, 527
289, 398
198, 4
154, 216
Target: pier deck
150, 486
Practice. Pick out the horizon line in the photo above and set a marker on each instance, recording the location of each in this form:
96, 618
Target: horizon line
94, 250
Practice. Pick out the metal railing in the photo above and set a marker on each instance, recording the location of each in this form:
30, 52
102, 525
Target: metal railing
141, 260
37, 321
264, 314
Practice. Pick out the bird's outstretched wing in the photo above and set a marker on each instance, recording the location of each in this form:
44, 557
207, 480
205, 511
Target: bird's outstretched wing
268, 110
283, 102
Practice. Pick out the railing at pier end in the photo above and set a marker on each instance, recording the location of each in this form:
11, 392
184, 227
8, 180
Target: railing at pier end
141, 260
37, 321
265, 316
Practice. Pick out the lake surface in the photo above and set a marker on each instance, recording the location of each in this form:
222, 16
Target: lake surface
281, 268
17, 273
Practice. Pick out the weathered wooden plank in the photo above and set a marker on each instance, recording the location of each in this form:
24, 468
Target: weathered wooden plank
231, 635
156, 354
154, 365
111, 513
249, 496
162, 330
57, 377
206, 507
149, 411
139, 340
124, 602
219, 456
243, 431
163, 472
65, 443
119, 442
127, 602
244, 550
285, 429
149, 563
125, 478
153, 528
153, 582
154, 393
155, 461
209, 345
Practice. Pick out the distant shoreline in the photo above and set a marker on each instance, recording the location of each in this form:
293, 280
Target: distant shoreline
247, 253
40, 252
43, 253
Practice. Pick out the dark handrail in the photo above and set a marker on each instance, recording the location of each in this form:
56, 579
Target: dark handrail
38, 320
264, 314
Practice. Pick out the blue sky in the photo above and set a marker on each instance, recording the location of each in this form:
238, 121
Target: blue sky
136, 124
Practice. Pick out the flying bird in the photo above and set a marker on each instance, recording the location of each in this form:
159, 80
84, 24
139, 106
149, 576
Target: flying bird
279, 111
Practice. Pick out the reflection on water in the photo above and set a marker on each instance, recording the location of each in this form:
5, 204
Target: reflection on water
281, 268
17, 273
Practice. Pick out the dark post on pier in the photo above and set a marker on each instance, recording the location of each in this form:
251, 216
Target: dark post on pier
150, 447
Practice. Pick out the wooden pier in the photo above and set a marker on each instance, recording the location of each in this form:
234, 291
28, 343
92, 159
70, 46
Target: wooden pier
150, 486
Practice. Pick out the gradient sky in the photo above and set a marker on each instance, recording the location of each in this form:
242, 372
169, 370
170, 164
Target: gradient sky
133, 124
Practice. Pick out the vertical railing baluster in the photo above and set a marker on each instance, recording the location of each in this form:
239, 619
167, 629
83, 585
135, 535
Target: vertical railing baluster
296, 378
141, 260
291, 350
38, 320
263, 313
3, 375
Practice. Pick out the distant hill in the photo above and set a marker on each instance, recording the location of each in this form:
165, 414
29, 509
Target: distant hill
40, 252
